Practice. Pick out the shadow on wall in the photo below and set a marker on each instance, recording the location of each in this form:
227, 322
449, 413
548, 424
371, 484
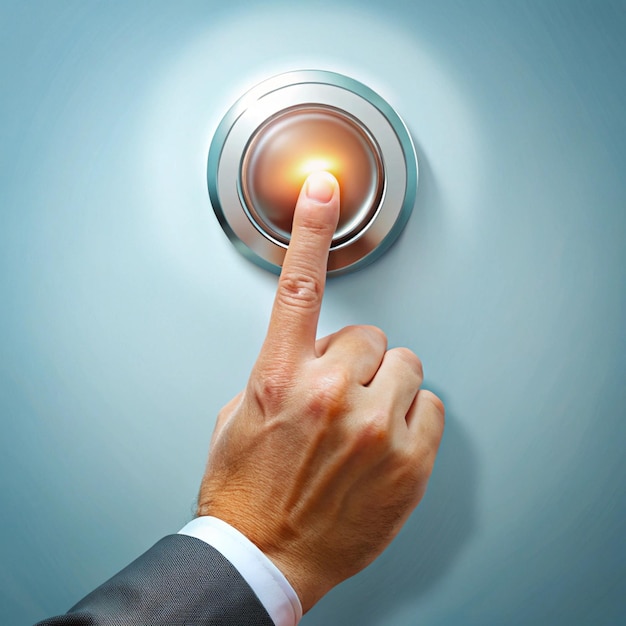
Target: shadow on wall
425, 549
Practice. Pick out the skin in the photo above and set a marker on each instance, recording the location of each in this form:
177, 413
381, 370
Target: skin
320, 460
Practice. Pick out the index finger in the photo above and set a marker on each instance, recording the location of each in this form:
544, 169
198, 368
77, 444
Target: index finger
293, 324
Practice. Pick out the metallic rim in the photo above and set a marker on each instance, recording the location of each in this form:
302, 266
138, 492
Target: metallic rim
311, 87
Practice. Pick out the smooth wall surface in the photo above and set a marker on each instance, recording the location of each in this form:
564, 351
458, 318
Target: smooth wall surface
127, 319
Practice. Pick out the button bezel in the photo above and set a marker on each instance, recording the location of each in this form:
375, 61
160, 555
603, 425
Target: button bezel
310, 88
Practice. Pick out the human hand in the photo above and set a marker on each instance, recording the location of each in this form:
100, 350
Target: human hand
323, 456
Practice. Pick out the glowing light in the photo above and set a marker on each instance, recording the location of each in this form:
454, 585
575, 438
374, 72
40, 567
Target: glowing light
299, 141
315, 165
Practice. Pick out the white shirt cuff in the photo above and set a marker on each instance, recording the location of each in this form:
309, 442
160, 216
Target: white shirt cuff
266, 580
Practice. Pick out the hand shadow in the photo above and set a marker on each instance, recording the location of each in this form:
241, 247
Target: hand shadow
424, 550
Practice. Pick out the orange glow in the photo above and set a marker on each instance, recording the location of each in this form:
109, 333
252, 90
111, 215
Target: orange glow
317, 164
284, 151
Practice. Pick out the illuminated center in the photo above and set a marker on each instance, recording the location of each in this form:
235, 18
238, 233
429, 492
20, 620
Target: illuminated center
294, 143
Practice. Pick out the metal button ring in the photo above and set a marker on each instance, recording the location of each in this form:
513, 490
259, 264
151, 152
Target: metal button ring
295, 123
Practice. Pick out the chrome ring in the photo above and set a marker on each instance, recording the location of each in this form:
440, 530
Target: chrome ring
314, 90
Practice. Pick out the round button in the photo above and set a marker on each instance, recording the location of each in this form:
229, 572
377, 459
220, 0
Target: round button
289, 125
292, 144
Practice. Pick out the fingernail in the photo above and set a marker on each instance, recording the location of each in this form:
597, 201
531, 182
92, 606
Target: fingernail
320, 186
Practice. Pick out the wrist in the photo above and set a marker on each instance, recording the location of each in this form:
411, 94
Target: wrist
266, 580
299, 569
308, 584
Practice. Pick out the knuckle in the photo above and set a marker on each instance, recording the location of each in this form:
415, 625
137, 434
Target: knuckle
376, 332
300, 291
431, 427
411, 360
372, 334
439, 410
270, 389
329, 393
312, 226
374, 430
407, 460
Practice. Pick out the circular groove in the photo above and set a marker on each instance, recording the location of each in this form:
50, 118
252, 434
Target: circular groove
274, 134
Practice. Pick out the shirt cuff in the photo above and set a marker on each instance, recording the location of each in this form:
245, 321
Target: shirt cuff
266, 580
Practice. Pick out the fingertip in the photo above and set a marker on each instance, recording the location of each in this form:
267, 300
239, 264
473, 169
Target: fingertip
316, 216
321, 186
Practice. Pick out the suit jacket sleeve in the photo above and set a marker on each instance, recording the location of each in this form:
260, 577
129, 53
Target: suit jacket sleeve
180, 581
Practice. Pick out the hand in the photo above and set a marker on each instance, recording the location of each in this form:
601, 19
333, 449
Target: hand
323, 456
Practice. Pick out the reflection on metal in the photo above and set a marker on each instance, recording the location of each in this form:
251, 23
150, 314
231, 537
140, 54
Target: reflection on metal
291, 125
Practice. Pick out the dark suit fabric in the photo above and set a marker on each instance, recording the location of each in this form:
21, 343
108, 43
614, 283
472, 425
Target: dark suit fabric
179, 581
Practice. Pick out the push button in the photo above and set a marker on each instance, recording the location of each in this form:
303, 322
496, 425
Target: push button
293, 124
294, 143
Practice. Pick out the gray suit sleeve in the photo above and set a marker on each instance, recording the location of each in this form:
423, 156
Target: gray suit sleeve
180, 581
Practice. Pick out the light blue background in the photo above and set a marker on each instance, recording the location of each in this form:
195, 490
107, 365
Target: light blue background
127, 319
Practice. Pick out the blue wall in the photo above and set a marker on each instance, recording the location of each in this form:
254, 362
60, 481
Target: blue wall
127, 319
